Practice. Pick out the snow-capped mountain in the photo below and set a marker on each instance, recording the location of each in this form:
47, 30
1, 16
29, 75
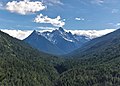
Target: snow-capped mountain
68, 36
36, 40
66, 41
61, 41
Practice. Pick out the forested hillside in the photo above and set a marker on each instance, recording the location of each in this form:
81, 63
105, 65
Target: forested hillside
36, 50
21, 65
97, 63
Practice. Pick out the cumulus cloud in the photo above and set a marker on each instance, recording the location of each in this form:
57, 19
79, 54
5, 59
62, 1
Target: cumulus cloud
57, 22
22, 34
25, 7
99, 2
79, 19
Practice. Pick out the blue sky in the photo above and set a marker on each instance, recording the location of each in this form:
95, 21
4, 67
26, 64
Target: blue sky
70, 14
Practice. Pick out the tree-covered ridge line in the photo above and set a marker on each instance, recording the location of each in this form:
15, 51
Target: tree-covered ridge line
98, 64
21, 65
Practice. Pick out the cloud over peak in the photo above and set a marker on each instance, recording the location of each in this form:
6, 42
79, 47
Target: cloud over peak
25, 7
57, 22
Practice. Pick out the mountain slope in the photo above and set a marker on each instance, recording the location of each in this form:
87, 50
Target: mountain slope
41, 43
97, 63
21, 65
66, 41
107, 43
57, 42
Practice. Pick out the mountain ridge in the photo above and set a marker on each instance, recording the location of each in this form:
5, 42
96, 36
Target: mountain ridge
98, 43
36, 40
22, 65
64, 41
22, 34
97, 65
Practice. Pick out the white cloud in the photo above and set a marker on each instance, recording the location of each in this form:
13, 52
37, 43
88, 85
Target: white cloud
115, 10
92, 33
52, 2
98, 2
115, 25
79, 19
57, 22
118, 25
1, 4
47, 28
22, 34
25, 7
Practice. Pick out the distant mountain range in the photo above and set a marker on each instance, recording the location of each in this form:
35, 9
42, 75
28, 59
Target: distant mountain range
57, 42
22, 34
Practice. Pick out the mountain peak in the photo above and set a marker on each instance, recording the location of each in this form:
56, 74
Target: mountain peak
34, 31
61, 29
34, 34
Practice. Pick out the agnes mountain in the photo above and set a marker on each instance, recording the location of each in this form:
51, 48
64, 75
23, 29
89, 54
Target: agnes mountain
57, 42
